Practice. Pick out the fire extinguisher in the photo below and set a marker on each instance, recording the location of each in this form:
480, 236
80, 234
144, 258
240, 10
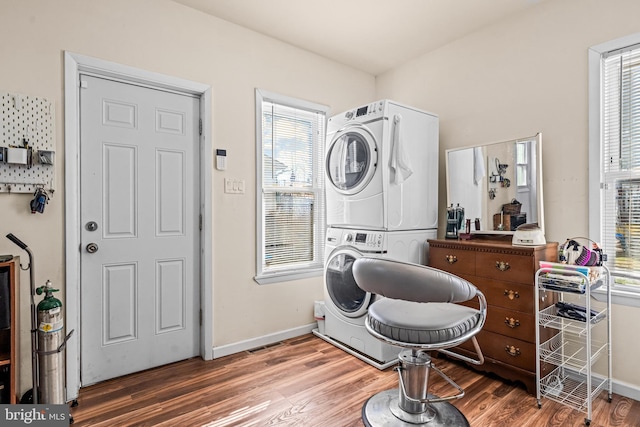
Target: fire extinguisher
51, 343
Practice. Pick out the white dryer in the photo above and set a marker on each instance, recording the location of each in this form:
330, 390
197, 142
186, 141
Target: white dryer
346, 304
381, 164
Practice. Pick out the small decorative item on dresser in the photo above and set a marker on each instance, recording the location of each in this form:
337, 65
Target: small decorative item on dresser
467, 231
528, 235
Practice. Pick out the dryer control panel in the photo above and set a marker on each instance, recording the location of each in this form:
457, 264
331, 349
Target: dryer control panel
365, 241
366, 111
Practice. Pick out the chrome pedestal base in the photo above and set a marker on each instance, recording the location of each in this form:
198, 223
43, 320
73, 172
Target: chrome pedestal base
377, 412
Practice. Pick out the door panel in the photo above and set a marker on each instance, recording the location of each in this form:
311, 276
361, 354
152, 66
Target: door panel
119, 286
119, 191
139, 182
170, 188
171, 289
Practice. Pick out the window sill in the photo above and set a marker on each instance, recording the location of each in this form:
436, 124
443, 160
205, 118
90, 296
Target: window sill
287, 276
620, 297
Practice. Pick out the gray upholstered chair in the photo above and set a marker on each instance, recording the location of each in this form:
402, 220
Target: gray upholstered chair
419, 314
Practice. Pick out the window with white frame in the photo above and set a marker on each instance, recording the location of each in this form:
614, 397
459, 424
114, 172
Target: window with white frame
614, 152
290, 187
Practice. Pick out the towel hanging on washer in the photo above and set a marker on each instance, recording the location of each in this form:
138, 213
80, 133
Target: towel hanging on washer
399, 160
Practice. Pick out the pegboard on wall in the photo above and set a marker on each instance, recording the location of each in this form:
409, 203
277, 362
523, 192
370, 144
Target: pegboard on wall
30, 118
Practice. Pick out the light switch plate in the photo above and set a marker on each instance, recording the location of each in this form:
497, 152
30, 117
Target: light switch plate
234, 186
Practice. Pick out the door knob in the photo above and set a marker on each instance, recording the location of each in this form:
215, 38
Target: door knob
92, 248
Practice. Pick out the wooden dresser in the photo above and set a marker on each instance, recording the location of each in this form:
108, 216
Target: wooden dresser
506, 275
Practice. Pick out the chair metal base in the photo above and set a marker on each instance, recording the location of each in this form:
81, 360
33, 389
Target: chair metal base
377, 412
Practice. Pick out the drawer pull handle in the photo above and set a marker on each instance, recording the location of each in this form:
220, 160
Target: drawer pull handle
511, 322
512, 351
511, 294
502, 266
451, 259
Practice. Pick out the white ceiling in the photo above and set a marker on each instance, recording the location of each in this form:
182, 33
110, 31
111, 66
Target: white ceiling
370, 35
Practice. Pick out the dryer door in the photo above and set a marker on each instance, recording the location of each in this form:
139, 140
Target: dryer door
352, 158
345, 294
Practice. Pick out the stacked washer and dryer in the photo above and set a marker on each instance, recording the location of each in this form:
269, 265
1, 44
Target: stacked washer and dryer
381, 167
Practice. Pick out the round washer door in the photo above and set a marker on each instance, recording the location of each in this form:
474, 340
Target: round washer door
345, 294
351, 159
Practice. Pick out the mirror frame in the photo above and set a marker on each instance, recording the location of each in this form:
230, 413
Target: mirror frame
538, 181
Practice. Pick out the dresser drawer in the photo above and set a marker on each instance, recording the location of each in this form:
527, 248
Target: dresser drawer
511, 323
508, 350
456, 261
507, 267
506, 322
511, 296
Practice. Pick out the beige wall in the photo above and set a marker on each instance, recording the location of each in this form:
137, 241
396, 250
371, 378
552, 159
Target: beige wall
168, 38
525, 75
521, 76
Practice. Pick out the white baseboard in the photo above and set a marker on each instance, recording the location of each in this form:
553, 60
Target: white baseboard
252, 343
631, 391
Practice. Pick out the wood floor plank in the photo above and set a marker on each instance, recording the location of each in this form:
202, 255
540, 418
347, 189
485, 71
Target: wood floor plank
306, 381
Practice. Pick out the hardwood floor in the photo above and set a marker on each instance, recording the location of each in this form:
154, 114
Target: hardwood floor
308, 382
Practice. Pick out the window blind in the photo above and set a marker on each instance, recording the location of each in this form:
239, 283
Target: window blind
621, 165
292, 187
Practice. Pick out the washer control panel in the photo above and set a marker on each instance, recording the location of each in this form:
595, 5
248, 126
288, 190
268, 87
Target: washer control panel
362, 240
366, 241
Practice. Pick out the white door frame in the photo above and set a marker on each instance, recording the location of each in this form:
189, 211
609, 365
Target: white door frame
74, 64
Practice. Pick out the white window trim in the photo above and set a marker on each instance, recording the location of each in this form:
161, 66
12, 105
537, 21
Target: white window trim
619, 295
286, 274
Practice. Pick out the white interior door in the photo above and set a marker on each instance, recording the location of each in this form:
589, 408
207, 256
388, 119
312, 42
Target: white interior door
139, 192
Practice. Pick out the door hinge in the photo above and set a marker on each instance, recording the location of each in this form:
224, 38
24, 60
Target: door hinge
200, 126
200, 222
200, 317
83, 84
